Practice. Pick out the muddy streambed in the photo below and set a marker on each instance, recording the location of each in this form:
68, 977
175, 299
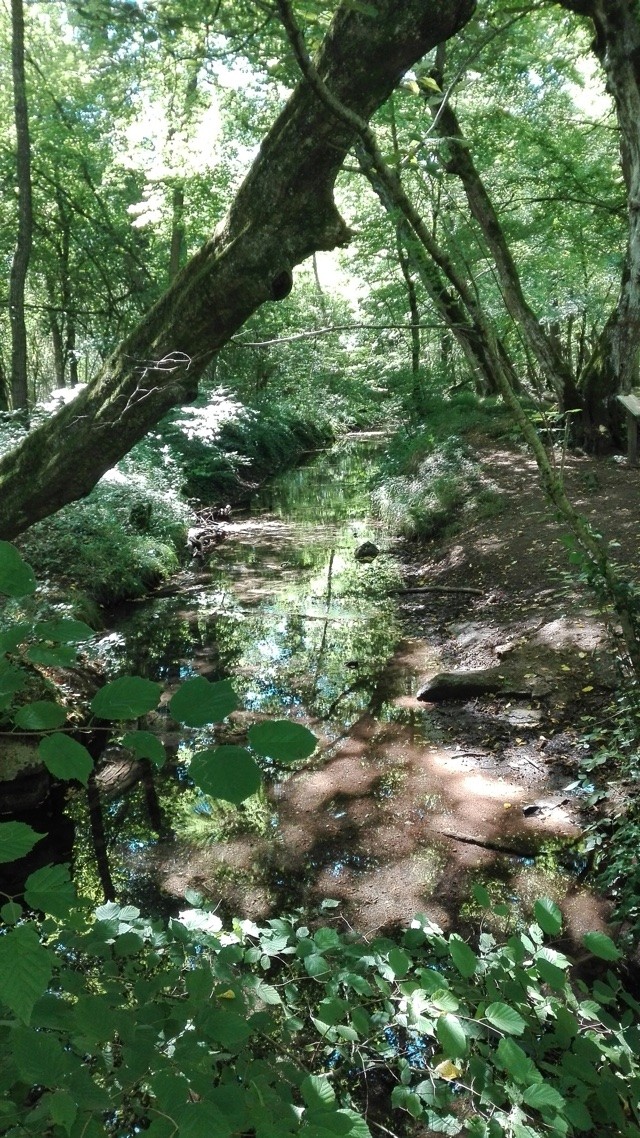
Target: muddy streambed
400, 810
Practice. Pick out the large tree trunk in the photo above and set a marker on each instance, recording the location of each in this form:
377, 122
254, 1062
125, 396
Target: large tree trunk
613, 368
20, 264
283, 212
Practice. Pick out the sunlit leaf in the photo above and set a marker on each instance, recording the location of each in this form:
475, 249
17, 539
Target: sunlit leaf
65, 758
17, 579
126, 698
463, 957
282, 741
61, 657
447, 1070
51, 889
548, 916
451, 1036
198, 702
16, 840
542, 1095
601, 945
41, 715
228, 772
317, 1093
505, 1018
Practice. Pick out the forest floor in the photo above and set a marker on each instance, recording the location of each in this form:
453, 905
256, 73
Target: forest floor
445, 794
418, 800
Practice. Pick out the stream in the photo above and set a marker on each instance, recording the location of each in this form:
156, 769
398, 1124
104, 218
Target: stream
392, 815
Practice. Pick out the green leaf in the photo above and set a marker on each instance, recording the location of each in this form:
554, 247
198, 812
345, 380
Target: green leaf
12, 680
516, 1063
16, 840
282, 741
542, 1096
63, 1110
225, 1026
451, 1036
551, 974
11, 912
202, 1120
326, 939
317, 1092
51, 889
601, 945
42, 715
481, 895
463, 957
64, 631
505, 1018
10, 638
578, 1115
66, 758
230, 773
63, 656
332, 1010
25, 970
38, 1057
145, 746
399, 962
548, 916
316, 965
17, 579
198, 702
126, 698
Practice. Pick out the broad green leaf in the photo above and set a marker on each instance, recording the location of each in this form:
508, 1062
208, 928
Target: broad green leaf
516, 1063
225, 1026
317, 1092
42, 715
126, 698
451, 1036
543, 1095
198, 702
332, 1010
316, 965
17, 579
282, 741
11, 912
230, 773
326, 939
551, 974
444, 1000
38, 1057
63, 656
399, 962
12, 680
463, 957
145, 746
548, 916
578, 1115
481, 895
16, 840
63, 1110
505, 1018
51, 889
601, 945
66, 758
64, 631
202, 1120
25, 970
11, 637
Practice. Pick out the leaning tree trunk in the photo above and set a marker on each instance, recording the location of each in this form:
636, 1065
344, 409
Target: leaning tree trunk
613, 367
20, 264
283, 212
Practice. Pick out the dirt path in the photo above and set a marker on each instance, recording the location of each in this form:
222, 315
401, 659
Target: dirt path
421, 799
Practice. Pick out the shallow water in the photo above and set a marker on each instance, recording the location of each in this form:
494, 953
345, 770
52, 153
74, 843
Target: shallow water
386, 818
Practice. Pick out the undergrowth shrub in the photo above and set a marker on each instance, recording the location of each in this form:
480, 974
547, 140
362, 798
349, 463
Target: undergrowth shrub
429, 476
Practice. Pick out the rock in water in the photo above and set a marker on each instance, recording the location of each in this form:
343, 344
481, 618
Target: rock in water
366, 552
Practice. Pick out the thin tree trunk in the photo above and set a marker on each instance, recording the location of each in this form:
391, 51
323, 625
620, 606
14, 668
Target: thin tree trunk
20, 264
177, 232
459, 161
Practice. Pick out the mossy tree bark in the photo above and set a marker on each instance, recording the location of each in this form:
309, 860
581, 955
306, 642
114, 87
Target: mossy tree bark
24, 239
283, 212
